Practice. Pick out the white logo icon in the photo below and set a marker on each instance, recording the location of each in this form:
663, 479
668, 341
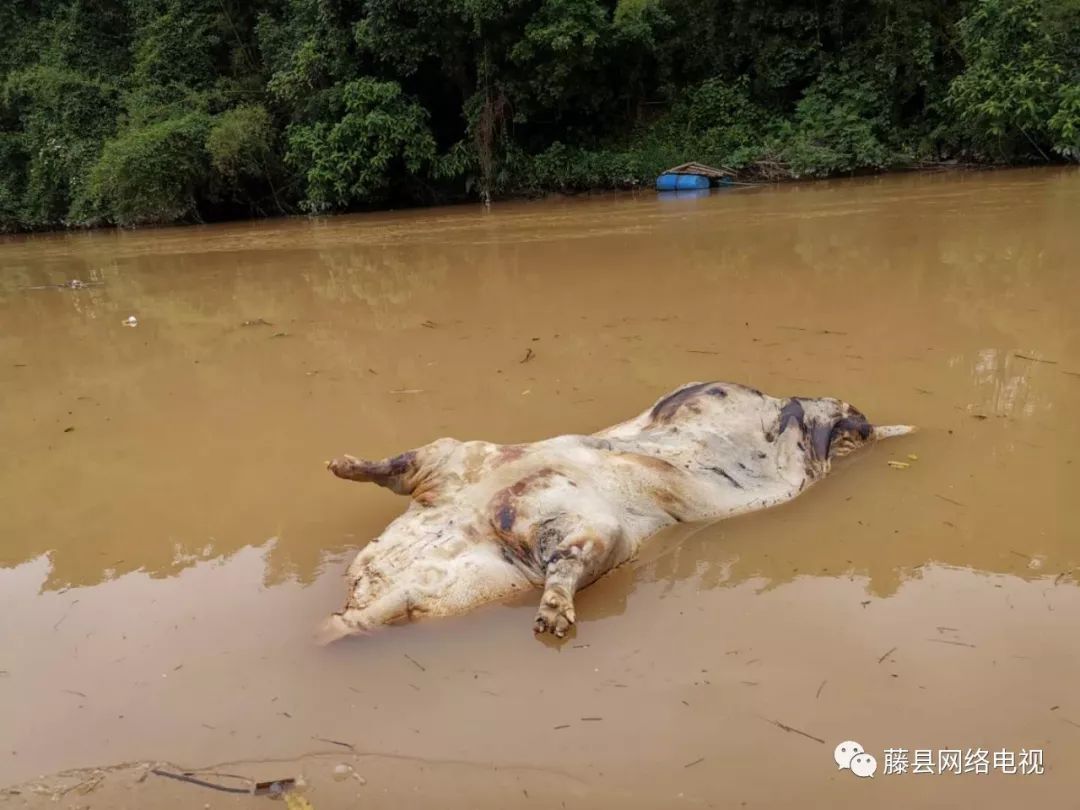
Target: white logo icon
863, 765
845, 751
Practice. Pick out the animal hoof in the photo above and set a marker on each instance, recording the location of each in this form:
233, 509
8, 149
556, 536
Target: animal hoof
556, 615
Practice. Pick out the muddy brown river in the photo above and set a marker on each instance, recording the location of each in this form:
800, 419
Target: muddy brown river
170, 539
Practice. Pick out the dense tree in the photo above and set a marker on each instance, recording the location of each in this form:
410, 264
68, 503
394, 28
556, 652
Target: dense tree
142, 111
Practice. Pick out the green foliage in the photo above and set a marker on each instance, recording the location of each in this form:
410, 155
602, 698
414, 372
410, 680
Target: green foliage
1017, 96
136, 111
839, 125
378, 132
1065, 122
241, 141
174, 44
559, 50
13, 160
150, 174
58, 120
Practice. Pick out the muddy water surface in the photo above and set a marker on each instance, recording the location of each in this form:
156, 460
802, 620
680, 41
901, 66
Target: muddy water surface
169, 538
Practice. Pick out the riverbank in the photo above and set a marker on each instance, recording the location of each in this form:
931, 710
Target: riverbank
157, 114
764, 175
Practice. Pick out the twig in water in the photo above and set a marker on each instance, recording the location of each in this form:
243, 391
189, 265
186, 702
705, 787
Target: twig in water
817, 331
948, 500
1034, 359
794, 730
417, 663
183, 777
697, 761
350, 746
819, 690
886, 655
949, 641
61, 619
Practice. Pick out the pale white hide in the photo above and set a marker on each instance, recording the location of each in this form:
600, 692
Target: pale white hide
487, 521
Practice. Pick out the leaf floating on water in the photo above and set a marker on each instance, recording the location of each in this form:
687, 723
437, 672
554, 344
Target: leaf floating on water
898, 465
407, 391
913, 456
296, 802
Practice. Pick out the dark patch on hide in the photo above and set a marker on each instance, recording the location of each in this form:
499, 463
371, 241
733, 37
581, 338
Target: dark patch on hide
792, 413
547, 538
820, 439
506, 507
508, 453
506, 515
725, 474
665, 409
856, 424
401, 464
822, 436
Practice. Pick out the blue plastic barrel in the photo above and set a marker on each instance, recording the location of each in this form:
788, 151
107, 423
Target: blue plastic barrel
681, 182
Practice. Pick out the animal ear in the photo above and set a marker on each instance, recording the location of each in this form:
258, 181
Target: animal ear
397, 474
821, 433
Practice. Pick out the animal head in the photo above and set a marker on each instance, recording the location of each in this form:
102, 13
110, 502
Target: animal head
835, 428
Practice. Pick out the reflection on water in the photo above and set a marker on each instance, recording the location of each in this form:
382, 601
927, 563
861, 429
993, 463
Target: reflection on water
187, 452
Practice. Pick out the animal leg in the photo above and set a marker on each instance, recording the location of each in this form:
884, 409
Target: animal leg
396, 474
408, 473
578, 560
388, 609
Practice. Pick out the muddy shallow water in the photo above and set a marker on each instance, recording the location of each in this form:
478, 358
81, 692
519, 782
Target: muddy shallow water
169, 538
